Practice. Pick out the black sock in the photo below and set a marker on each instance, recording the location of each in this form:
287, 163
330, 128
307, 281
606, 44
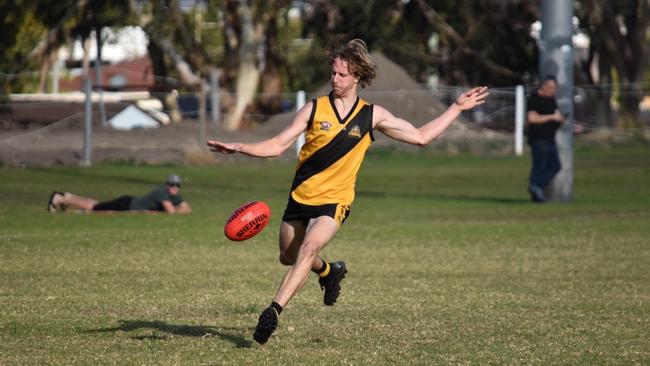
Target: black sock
277, 307
322, 268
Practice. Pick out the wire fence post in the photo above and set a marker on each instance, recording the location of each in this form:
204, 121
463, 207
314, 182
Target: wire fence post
88, 125
300, 102
202, 112
99, 77
519, 119
56, 73
215, 97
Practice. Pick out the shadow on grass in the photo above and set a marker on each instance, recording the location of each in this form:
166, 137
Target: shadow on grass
202, 331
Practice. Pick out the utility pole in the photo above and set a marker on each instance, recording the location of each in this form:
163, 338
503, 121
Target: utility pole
98, 75
556, 58
88, 107
88, 122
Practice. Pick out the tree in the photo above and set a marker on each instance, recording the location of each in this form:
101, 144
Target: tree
22, 29
248, 52
620, 43
251, 33
70, 20
464, 42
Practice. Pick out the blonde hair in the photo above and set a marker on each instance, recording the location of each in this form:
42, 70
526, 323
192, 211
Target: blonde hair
355, 53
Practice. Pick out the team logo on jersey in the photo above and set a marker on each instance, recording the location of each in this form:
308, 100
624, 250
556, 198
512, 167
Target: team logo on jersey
325, 126
355, 132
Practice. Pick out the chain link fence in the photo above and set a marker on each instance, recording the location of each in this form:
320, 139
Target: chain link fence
596, 109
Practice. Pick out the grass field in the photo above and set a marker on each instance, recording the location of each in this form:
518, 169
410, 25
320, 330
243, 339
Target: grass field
449, 264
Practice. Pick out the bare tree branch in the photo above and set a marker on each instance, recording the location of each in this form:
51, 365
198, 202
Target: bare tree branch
439, 23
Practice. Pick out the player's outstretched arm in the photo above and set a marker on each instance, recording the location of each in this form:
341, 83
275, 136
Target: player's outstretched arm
402, 130
271, 147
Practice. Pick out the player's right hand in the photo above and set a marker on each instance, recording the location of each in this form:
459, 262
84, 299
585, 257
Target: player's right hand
222, 147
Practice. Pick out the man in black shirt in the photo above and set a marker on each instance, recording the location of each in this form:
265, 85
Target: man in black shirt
165, 198
544, 119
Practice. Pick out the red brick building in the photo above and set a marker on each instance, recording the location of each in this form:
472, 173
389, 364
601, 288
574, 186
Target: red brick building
130, 75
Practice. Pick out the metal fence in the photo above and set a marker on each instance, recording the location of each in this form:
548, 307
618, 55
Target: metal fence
595, 109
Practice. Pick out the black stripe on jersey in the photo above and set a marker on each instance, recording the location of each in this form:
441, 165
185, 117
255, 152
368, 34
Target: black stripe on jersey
312, 114
337, 148
371, 132
336, 112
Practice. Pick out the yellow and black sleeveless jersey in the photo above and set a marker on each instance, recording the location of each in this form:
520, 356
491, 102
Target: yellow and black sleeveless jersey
332, 154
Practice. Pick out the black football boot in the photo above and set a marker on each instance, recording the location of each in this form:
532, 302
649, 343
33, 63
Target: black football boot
331, 284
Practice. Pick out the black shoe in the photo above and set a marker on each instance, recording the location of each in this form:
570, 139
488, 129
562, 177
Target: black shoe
331, 284
51, 207
536, 193
266, 324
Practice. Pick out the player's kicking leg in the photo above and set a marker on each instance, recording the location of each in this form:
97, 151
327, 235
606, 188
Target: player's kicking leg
318, 233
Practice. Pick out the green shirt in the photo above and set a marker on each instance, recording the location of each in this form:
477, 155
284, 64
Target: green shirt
153, 200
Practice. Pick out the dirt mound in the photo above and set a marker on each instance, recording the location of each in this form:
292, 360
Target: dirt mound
396, 91
393, 89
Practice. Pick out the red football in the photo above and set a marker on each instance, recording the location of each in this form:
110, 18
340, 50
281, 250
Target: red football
247, 221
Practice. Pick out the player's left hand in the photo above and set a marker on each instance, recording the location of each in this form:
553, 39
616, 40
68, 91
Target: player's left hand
472, 98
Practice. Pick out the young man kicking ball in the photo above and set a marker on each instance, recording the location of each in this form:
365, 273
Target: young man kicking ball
338, 131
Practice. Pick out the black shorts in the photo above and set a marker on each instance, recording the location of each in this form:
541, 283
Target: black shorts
122, 203
299, 212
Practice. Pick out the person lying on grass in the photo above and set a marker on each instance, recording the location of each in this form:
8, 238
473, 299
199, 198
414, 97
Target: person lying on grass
165, 198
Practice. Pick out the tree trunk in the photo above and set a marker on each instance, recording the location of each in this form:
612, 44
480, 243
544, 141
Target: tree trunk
161, 88
270, 100
248, 76
629, 114
602, 107
85, 61
45, 70
184, 69
193, 51
629, 52
157, 57
604, 112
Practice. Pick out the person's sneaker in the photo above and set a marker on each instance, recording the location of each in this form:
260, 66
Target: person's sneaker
536, 193
266, 324
331, 284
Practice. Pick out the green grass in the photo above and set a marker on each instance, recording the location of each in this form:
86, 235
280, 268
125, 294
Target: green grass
449, 264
